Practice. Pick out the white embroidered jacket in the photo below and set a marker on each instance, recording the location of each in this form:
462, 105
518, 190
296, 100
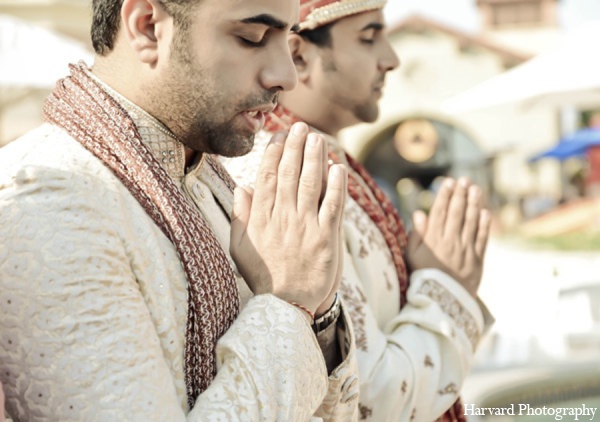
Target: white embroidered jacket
93, 304
412, 362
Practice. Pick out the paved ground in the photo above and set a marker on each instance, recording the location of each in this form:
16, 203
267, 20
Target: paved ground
522, 289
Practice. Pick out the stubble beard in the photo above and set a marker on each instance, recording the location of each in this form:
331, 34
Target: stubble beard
194, 110
364, 112
196, 114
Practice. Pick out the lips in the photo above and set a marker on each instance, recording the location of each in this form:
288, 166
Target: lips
255, 120
379, 84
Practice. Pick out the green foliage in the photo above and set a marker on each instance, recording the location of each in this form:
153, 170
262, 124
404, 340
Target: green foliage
577, 241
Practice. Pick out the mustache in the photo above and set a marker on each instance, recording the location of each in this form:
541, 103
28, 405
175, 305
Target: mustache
262, 99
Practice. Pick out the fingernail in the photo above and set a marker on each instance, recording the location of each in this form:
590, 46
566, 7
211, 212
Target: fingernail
474, 192
485, 215
279, 138
299, 129
449, 183
464, 182
418, 218
313, 140
337, 170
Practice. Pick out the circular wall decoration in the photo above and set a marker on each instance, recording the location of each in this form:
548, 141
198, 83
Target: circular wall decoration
416, 140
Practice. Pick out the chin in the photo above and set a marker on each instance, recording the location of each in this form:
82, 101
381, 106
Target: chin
369, 118
367, 114
236, 148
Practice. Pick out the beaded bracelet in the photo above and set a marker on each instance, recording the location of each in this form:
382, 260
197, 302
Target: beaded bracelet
304, 308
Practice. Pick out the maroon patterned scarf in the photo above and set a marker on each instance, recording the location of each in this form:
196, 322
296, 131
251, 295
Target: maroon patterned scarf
381, 211
92, 117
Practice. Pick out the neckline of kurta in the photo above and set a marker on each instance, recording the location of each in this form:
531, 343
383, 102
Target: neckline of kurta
161, 142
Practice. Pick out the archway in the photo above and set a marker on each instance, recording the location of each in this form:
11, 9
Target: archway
410, 158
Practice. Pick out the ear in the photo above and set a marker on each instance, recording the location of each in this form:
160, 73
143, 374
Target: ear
303, 54
142, 23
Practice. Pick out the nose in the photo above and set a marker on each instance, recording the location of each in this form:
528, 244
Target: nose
389, 59
279, 72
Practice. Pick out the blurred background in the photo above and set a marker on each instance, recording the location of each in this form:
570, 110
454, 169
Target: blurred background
506, 92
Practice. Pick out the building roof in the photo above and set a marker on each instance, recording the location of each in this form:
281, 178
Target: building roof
418, 23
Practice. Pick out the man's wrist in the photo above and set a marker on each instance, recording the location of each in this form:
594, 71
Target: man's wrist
329, 317
304, 309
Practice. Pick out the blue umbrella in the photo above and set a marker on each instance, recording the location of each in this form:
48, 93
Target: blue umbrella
574, 145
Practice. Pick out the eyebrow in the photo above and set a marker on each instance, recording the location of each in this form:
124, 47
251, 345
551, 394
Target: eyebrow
266, 20
375, 26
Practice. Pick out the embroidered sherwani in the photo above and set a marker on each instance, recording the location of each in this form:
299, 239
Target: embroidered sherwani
93, 304
411, 362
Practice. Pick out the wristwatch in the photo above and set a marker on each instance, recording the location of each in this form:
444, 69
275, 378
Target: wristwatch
328, 317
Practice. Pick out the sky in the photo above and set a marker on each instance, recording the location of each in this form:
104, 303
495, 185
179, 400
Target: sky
462, 14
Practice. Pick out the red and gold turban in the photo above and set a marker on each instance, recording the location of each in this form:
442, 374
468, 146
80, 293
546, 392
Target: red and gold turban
316, 13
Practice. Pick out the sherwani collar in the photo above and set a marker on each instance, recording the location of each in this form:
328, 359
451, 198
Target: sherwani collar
159, 139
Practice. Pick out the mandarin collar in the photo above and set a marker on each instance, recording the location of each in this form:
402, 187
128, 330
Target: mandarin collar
161, 142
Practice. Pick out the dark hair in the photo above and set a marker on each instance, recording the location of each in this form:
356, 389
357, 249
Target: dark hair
106, 17
321, 36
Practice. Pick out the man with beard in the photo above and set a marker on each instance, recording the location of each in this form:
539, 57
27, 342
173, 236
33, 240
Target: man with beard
415, 341
119, 263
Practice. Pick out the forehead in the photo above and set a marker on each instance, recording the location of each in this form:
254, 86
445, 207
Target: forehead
235, 10
360, 21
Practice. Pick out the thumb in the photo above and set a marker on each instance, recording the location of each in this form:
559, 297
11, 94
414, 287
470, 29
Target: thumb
240, 216
420, 223
417, 234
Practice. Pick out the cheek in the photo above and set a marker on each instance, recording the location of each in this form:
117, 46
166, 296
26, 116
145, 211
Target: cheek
356, 73
237, 78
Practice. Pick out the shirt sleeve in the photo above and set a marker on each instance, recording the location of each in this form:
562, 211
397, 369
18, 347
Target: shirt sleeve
269, 368
341, 400
79, 342
413, 367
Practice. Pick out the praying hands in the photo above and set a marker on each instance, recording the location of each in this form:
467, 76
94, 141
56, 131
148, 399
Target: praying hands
454, 236
284, 240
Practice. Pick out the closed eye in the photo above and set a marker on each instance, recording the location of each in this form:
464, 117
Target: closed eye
253, 44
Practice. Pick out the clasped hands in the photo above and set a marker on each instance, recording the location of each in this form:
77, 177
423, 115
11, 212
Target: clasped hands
453, 238
286, 234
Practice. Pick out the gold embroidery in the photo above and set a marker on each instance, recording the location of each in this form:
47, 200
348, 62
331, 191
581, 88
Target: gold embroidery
363, 253
365, 412
388, 283
334, 11
355, 302
428, 361
452, 307
449, 389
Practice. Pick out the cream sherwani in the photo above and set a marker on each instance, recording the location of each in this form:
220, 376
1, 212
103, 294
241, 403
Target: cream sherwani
93, 304
411, 362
